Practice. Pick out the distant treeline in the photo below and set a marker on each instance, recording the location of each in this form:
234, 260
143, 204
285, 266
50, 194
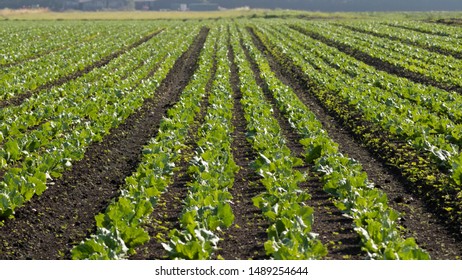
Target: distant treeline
321, 5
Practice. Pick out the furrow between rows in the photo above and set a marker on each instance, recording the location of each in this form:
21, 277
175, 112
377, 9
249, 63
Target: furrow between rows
335, 231
378, 63
18, 99
48, 227
419, 220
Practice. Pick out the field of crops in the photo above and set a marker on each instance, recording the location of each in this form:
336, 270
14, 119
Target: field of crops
248, 138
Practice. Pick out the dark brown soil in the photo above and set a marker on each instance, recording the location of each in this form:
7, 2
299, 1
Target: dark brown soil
433, 32
246, 238
335, 231
84, 118
415, 29
390, 36
419, 220
399, 156
379, 64
165, 216
19, 98
49, 226
450, 21
167, 213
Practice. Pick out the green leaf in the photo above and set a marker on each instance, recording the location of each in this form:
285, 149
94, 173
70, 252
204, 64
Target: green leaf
134, 237
105, 245
6, 206
457, 170
226, 215
36, 186
188, 221
12, 150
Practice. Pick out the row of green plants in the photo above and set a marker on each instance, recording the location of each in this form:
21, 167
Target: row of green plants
432, 42
429, 28
15, 46
414, 143
434, 66
423, 116
43, 158
30, 75
207, 211
25, 128
375, 222
426, 116
283, 203
437, 101
121, 228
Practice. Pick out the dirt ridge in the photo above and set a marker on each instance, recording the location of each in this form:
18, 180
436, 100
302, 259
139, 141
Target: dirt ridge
335, 231
378, 63
167, 213
418, 218
49, 226
245, 239
434, 49
19, 98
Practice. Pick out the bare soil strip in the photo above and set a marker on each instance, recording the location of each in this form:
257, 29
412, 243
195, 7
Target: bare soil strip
18, 99
449, 21
434, 49
246, 238
166, 214
19, 163
49, 226
335, 231
414, 29
420, 219
379, 64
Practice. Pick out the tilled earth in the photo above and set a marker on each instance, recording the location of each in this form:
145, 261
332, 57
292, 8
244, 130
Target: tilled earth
50, 225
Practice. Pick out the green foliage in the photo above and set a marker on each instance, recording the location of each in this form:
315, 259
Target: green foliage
106, 245
289, 234
342, 177
123, 221
47, 132
207, 210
